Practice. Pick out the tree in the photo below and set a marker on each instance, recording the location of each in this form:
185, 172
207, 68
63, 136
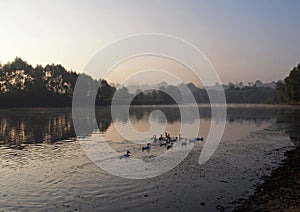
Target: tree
105, 93
23, 85
289, 91
18, 64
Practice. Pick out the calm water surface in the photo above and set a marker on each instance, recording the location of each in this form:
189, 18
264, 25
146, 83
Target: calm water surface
43, 167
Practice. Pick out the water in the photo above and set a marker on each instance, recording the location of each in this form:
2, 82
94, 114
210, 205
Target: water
43, 166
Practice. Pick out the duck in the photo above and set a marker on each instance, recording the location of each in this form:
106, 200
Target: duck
154, 138
196, 139
200, 139
126, 155
178, 138
173, 139
161, 138
184, 143
168, 137
163, 143
169, 146
146, 147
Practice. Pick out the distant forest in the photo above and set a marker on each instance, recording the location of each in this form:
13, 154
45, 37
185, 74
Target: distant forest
22, 85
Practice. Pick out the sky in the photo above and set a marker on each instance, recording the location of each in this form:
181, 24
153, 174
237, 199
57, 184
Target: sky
245, 40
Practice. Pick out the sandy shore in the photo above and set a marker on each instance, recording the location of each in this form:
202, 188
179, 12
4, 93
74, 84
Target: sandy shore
280, 191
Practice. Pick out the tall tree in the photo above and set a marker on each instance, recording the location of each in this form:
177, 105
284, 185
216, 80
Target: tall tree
289, 91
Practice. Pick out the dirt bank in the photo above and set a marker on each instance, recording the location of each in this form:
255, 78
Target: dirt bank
280, 191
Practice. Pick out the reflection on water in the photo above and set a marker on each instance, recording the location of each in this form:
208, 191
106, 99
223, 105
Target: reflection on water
291, 116
26, 126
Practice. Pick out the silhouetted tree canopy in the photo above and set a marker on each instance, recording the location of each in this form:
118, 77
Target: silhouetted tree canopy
288, 91
21, 85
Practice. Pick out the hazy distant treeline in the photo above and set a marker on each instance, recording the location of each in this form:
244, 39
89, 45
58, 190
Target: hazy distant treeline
22, 85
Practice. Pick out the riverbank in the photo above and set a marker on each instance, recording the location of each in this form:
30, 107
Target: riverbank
280, 191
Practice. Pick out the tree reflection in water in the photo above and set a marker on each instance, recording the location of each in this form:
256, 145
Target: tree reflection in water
48, 125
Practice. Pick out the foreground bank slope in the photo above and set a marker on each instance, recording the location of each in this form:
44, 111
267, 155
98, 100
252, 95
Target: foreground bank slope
280, 191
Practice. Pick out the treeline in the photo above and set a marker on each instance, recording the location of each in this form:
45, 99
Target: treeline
250, 95
22, 85
232, 95
288, 91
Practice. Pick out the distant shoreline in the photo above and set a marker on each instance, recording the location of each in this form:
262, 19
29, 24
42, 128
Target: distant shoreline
162, 105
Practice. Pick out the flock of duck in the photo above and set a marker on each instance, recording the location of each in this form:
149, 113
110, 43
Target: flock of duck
166, 141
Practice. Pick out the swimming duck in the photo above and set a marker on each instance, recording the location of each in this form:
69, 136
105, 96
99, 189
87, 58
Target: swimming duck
163, 143
168, 137
154, 138
169, 146
196, 139
126, 155
173, 139
200, 139
146, 147
161, 138
184, 143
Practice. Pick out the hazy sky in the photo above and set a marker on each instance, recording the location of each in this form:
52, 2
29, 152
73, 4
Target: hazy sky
244, 40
